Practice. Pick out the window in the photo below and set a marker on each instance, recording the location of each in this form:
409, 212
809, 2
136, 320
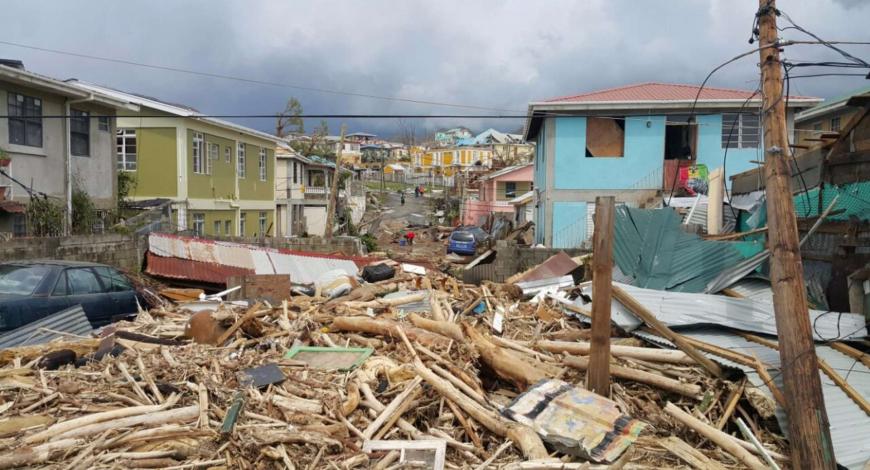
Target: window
125, 144
740, 130
295, 173
103, 123
214, 153
510, 189
240, 159
817, 126
19, 225
242, 224
21, 280
835, 124
25, 120
60, 286
262, 223
80, 133
112, 280
82, 281
228, 227
217, 227
198, 224
261, 164
198, 164
228, 154
605, 137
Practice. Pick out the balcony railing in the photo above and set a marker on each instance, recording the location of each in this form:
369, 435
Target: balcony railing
316, 192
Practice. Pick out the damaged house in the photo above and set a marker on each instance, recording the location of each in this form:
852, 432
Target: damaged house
636, 143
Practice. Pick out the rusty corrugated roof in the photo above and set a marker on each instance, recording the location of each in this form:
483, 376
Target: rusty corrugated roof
179, 268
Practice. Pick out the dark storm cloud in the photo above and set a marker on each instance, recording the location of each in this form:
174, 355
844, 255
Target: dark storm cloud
492, 54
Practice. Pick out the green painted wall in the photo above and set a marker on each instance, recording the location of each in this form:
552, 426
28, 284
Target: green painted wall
252, 222
220, 184
156, 174
251, 187
212, 216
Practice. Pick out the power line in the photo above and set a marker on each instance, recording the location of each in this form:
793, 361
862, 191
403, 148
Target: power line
248, 80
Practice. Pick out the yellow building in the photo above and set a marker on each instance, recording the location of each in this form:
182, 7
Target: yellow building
446, 161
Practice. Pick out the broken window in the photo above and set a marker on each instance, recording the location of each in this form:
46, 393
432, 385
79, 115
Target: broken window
125, 140
510, 189
605, 137
681, 138
25, 120
80, 133
740, 130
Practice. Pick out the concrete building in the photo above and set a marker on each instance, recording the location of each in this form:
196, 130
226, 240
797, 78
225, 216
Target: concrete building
507, 149
56, 137
495, 193
220, 176
634, 143
452, 160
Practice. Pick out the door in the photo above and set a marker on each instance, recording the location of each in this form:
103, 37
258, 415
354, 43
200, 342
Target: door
84, 289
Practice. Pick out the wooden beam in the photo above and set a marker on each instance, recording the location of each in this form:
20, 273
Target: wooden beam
714, 201
598, 375
650, 319
852, 352
809, 428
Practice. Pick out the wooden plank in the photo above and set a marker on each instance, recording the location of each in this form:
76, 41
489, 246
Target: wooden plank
714, 201
598, 375
679, 340
852, 352
689, 454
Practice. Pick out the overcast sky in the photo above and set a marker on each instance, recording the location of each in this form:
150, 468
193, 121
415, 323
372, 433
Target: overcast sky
498, 54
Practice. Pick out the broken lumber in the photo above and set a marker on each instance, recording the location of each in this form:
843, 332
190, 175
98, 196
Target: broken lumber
581, 348
503, 361
718, 437
637, 375
389, 328
650, 319
444, 328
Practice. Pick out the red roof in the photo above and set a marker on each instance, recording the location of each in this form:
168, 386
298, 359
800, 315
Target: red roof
658, 92
178, 268
12, 207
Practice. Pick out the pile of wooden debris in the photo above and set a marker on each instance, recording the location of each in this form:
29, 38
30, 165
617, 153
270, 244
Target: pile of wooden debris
412, 372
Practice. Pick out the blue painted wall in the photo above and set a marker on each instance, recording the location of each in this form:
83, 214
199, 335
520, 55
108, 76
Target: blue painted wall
569, 224
711, 153
644, 154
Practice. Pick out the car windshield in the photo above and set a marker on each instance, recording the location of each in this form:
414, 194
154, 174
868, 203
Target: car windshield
463, 237
20, 280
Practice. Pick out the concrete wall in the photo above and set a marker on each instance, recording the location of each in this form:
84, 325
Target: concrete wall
350, 246
122, 251
512, 259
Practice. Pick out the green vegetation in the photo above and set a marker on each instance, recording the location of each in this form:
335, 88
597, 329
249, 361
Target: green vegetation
370, 242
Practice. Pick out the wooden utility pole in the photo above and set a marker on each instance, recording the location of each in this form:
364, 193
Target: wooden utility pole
809, 431
333, 190
598, 375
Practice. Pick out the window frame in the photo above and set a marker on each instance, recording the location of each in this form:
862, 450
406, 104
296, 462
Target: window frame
228, 227
228, 154
242, 224
216, 226
198, 224
262, 220
196, 152
513, 193
210, 157
742, 132
241, 160
18, 114
80, 128
69, 290
835, 124
122, 141
262, 165
104, 123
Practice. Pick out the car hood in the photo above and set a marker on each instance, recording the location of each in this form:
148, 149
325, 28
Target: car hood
11, 296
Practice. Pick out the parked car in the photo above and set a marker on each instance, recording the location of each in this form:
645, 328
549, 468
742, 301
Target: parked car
466, 240
31, 290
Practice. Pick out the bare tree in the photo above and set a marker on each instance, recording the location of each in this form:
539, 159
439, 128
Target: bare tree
407, 131
290, 120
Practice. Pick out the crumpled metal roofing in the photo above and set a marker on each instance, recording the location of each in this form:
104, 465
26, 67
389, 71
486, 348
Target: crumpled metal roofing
854, 201
850, 425
72, 321
303, 267
680, 309
651, 247
179, 268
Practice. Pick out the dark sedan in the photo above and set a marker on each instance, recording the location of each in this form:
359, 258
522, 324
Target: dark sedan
31, 290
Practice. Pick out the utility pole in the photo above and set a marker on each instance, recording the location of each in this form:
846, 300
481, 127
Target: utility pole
809, 431
333, 190
598, 375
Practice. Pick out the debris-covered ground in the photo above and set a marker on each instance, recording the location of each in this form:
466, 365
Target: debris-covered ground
474, 375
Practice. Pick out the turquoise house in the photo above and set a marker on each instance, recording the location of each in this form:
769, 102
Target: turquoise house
635, 143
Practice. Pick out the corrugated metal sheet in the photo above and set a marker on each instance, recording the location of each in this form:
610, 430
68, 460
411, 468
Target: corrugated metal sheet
651, 247
854, 201
680, 309
178, 268
72, 321
754, 289
850, 425
219, 259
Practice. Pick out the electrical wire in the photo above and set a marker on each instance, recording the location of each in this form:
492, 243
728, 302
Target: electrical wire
828, 44
728, 145
789, 149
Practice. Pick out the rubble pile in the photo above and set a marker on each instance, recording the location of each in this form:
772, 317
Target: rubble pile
417, 371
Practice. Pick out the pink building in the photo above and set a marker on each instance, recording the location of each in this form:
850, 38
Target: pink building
496, 191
